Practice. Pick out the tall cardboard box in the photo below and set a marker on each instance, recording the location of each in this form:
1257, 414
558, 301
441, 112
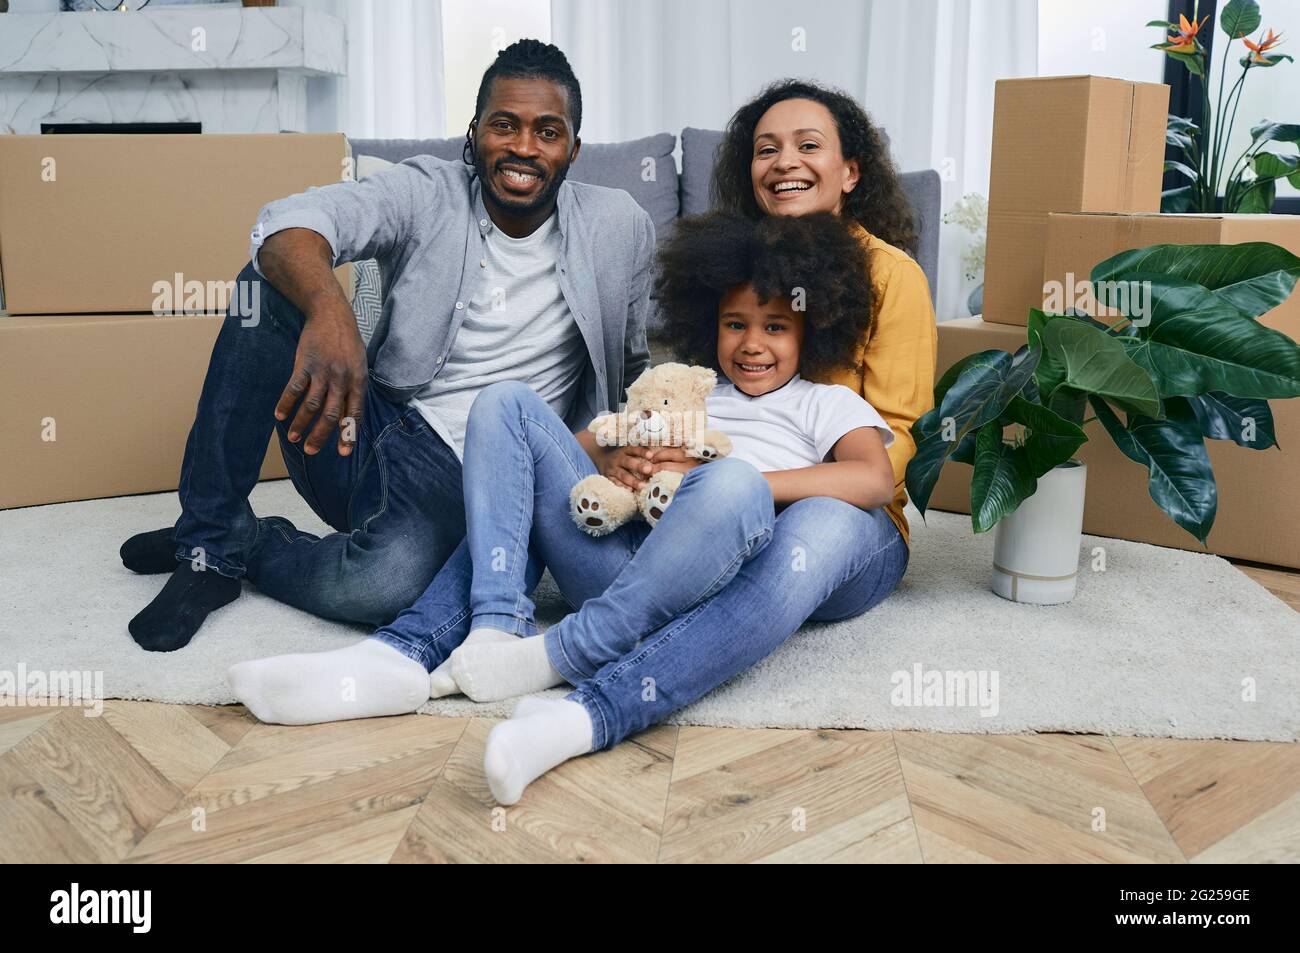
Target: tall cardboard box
1077, 241
1064, 144
91, 223
101, 405
1259, 510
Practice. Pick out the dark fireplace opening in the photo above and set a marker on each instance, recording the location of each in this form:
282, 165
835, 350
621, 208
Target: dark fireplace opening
120, 127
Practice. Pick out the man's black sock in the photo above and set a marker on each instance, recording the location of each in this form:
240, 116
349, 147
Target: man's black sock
170, 621
149, 553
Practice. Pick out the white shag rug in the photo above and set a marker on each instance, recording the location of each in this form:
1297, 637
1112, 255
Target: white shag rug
1161, 643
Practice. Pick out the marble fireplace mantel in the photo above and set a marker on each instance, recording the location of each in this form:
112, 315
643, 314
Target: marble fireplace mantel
231, 68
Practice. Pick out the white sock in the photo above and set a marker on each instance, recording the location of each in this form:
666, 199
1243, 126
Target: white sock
364, 680
541, 735
441, 681
495, 670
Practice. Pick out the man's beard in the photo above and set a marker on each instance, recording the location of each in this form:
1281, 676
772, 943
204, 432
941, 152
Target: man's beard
513, 203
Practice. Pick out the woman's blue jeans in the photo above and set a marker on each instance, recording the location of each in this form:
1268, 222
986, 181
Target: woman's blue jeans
663, 616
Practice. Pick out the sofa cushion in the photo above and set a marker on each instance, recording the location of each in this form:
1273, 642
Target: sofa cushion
367, 298
644, 168
395, 150
367, 285
698, 149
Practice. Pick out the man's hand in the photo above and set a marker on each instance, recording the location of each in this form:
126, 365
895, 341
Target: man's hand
671, 458
328, 383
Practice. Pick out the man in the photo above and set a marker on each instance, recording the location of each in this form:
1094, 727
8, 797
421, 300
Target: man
490, 273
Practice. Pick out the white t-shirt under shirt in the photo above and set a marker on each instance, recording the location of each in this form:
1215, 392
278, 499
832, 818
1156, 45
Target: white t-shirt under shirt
518, 327
794, 426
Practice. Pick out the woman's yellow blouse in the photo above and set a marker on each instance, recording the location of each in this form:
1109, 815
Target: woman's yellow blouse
894, 368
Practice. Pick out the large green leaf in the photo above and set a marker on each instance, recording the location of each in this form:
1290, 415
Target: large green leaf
1243, 420
1240, 18
1254, 277
1113, 426
965, 452
1180, 479
1051, 439
978, 395
1180, 199
1257, 198
1269, 131
1265, 60
1096, 362
1049, 378
1196, 343
1002, 480
1274, 166
1050, 372
1191, 60
951, 374
1181, 133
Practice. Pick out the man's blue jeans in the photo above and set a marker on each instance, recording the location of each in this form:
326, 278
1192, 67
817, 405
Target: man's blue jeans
396, 500
716, 586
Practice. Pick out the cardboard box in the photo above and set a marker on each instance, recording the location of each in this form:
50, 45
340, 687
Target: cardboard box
1064, 144
116, 393
1259, 512
1079, 240
89, 223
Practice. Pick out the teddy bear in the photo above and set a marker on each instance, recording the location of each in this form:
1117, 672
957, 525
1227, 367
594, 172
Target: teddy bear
665, 408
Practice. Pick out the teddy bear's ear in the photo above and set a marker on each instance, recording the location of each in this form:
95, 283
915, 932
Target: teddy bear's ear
636, 390
704, 380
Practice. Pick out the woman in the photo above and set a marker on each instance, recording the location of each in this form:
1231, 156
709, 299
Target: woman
795, 150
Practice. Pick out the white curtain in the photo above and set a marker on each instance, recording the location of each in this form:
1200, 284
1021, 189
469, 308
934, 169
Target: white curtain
931, 68
659, 66
924, 69
394, 84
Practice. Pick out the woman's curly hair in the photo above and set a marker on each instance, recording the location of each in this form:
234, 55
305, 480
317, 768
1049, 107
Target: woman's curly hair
877, 203
709, 255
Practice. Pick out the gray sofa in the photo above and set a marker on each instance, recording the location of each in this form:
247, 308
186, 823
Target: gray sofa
667, 194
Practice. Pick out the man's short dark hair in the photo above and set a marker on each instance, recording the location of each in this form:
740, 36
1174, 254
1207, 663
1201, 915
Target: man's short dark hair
533, 59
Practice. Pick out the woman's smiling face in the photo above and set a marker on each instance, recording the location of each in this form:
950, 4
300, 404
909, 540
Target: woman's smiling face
758, 343
798, 165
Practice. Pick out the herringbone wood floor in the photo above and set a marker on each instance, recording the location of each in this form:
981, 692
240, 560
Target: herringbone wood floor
148, 782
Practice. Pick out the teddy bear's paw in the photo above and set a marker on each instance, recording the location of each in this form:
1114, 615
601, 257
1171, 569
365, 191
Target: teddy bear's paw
590, 515
657, 499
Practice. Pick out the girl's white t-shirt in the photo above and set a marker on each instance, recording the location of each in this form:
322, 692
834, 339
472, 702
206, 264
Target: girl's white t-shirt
794, 426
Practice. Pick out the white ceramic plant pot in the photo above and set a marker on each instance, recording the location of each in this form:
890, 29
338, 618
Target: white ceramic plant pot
1036, 548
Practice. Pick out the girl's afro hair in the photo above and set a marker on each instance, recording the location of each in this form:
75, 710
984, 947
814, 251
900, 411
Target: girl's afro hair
779, 256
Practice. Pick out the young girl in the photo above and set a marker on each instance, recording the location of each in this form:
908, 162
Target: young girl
761, 302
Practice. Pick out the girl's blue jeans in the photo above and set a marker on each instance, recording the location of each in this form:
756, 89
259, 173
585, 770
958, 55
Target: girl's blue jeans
662, 617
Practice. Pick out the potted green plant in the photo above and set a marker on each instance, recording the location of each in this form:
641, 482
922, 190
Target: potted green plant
1250, 183
1185, 360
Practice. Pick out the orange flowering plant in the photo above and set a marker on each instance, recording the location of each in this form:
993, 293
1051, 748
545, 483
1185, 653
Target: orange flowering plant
1250, 183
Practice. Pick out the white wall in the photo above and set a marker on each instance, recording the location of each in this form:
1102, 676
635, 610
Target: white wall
1101, 37
474, 31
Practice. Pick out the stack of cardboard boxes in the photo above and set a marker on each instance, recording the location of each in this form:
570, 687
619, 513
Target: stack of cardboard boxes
1075, 178
117, 254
